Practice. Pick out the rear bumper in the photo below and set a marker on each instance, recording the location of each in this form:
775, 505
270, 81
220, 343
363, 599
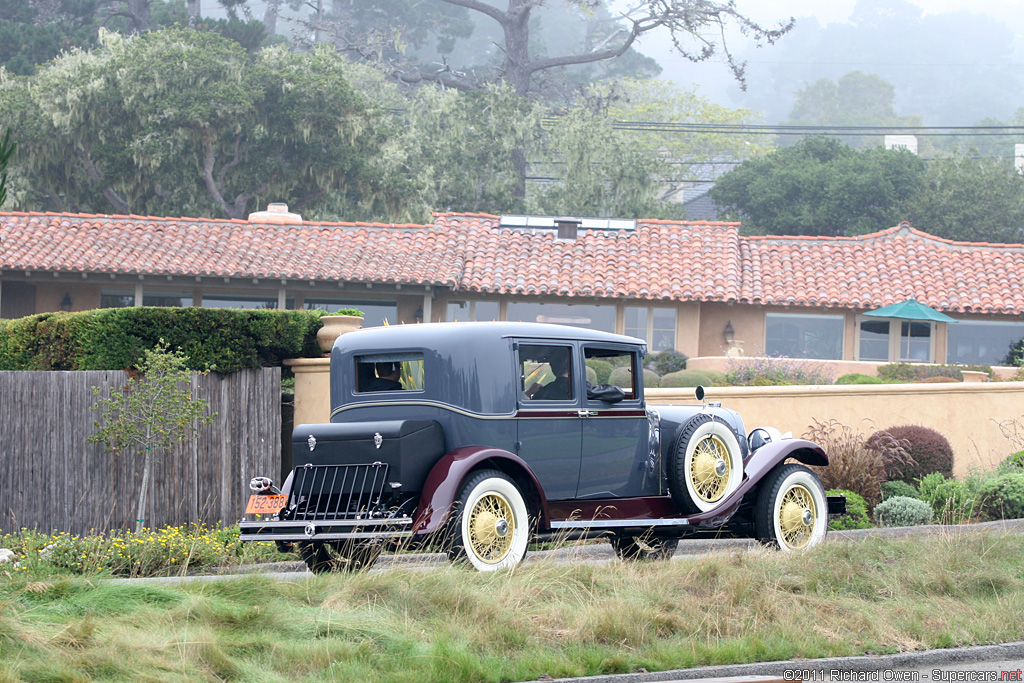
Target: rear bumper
325, 529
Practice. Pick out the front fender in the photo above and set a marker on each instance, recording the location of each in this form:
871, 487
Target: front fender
771, 454
442, 483
755, 468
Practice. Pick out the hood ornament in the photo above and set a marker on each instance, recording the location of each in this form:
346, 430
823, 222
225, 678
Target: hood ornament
312, 442
377, 440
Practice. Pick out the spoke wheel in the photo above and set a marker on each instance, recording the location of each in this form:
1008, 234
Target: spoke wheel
705, 465
490, 526
791, 510
344, 556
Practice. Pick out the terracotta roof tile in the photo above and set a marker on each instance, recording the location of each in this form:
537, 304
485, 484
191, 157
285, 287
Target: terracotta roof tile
682, 261
883, 268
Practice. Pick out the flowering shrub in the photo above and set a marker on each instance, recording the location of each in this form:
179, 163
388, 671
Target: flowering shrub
766, 371
150, 552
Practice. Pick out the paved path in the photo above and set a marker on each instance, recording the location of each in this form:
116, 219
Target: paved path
982, 664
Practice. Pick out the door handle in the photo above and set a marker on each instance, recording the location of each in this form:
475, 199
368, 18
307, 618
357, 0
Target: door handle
587, 413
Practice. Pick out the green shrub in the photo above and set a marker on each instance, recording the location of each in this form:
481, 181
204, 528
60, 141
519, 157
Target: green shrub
669, 361
1003, 497
858, 378
856, 515
686, 378
951, 500
891, 489
897, 372
907, 372
219, 339
903, 511
1012, 463
717, 377
928, 449
347, 311
602, 367
592, 375
623, 377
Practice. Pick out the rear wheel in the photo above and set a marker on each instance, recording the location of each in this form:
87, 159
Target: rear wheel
633, 548
791, 510
490, 527
338, 556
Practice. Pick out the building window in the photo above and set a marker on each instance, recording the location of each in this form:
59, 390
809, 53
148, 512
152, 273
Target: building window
896, 340
590, 316
977, 342
469, 311
375, 311
799, 335
120, 298
169, 299
655, 325
916, 341
240, 301
116, 298
874, 340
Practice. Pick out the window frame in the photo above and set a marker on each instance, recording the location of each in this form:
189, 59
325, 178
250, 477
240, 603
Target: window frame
895, 340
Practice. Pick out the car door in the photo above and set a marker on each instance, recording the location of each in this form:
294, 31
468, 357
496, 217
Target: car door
617, 460
548, 414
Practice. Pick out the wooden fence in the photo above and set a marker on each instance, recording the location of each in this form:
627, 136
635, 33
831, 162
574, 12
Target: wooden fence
53, 478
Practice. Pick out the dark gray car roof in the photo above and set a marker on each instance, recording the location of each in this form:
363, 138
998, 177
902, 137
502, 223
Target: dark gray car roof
430, 334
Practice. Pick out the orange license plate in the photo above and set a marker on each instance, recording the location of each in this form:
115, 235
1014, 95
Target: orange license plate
265, 505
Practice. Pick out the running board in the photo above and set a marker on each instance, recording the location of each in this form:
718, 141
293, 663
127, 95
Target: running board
616, 523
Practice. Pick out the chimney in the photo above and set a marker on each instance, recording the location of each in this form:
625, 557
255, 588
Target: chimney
908, 142
276, 213
567, 228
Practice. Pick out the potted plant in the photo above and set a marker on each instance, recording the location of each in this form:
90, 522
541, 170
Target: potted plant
336, 324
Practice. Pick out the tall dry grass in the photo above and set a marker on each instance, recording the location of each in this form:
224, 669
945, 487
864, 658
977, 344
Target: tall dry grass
452, 624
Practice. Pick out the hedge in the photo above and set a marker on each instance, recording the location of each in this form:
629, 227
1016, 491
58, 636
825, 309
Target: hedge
219, 339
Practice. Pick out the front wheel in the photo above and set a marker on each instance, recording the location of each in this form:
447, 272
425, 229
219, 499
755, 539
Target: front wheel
633, 548
491, 524
791, 510
335, 556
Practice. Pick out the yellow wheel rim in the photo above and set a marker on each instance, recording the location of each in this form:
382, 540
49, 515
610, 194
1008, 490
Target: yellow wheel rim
492, 526
797, 515
710, 468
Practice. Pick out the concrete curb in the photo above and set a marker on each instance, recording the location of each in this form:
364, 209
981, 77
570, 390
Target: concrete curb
904, 660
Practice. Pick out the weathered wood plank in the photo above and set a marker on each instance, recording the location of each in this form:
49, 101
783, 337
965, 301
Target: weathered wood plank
54, 479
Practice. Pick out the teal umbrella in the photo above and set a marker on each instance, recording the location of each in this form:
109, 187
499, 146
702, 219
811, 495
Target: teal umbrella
911, 309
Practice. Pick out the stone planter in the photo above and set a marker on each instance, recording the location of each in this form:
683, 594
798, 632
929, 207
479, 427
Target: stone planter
974, 375
334, 327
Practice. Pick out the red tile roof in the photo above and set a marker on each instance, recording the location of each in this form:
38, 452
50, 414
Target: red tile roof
668, 260
883, 268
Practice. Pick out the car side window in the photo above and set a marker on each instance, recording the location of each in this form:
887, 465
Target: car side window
389, 372
546, 372
610, 368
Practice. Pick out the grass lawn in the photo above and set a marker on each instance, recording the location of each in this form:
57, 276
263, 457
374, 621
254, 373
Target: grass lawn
879, 595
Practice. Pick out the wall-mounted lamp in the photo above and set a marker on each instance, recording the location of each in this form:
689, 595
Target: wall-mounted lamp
65, 303
730, 334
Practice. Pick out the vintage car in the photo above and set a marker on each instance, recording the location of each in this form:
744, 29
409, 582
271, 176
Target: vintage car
477, 438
